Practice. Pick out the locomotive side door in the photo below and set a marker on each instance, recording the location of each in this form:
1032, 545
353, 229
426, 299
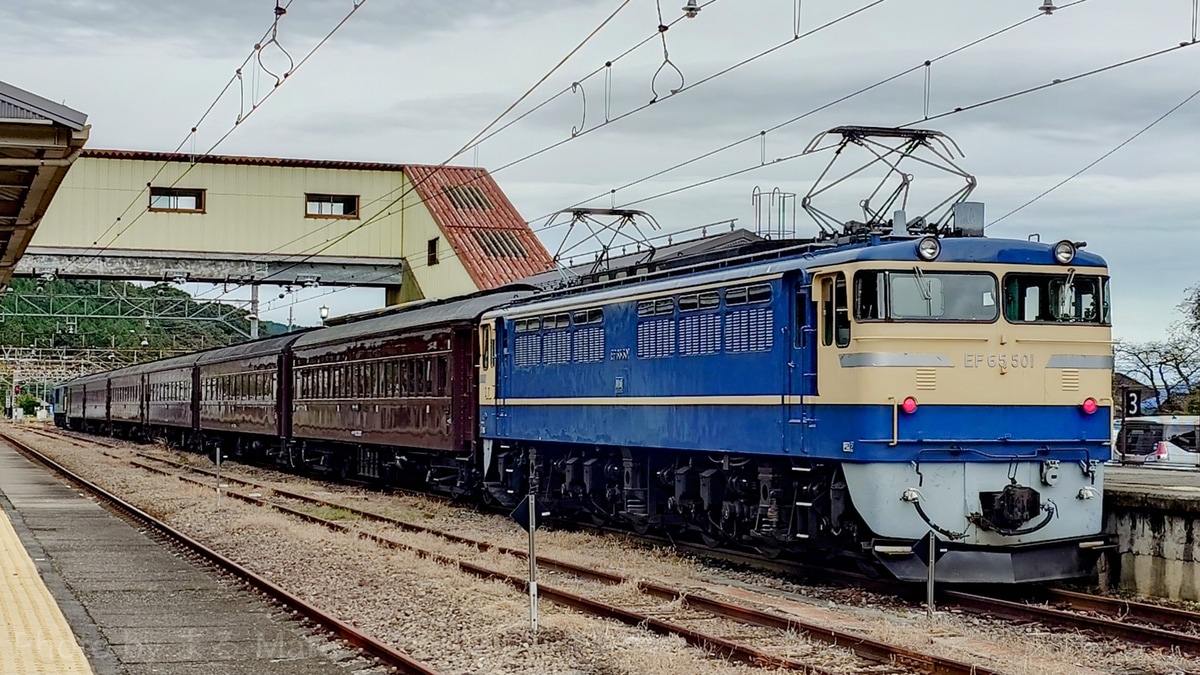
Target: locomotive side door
488, 367
802, 365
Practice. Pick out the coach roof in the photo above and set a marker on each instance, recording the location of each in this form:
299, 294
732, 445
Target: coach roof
466, 309
254, 348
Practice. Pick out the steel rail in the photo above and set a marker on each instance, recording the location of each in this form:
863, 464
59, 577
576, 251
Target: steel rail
861, 646
1125, 610
369, 645
1019, 611
710, 643
705, 641
1080, 613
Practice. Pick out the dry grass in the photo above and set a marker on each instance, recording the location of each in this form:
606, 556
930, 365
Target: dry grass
424, 606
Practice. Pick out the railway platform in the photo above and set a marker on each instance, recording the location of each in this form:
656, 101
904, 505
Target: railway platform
83, 591
1153, 511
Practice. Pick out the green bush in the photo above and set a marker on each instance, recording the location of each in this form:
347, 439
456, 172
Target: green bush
28, 403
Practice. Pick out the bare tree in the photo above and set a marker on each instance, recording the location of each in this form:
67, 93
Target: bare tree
1170, 366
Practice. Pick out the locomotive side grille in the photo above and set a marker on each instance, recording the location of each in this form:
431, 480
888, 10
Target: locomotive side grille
926, 379
1070, 379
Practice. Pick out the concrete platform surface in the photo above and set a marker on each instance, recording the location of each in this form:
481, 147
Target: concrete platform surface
134, 604
34, 635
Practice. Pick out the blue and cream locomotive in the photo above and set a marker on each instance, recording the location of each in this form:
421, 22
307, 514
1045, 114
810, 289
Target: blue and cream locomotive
845, 399
833, 400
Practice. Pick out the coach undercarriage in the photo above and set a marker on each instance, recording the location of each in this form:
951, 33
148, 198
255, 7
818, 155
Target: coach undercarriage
724, 500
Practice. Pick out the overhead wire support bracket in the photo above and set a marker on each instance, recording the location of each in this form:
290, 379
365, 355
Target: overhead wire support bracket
662, 32
576, 130
260, 48
890, 147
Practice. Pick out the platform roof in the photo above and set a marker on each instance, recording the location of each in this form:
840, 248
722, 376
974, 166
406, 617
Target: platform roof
39, 140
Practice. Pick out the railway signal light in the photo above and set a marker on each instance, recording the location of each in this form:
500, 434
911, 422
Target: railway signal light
16, 390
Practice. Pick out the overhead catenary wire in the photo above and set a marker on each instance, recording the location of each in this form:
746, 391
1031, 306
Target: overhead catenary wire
311, 252
1099, 159
947, 113
191, 135
488, 131
241, 119
307, 255
842, 99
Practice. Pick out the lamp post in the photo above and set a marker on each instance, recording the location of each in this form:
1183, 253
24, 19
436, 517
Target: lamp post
324, 312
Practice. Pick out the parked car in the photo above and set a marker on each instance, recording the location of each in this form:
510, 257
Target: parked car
1159, 439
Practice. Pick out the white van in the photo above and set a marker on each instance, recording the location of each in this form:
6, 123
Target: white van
1167, 439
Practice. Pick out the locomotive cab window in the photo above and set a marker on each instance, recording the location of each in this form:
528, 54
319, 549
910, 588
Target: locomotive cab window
916, 295
835, 311
1056, 298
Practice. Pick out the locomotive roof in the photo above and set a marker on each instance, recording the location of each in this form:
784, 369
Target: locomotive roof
965, 249
451, 311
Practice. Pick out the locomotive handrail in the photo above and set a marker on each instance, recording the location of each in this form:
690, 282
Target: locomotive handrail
871, 338
895, 422
1049, 340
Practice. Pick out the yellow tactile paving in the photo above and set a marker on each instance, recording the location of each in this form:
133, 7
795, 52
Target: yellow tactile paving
34, 635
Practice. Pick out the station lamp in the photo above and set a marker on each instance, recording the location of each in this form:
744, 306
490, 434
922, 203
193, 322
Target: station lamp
324, 312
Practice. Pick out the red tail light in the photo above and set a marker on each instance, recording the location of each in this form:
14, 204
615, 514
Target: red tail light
1090, 406
909, 405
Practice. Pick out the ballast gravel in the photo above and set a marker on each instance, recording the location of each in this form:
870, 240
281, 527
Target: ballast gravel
465, 625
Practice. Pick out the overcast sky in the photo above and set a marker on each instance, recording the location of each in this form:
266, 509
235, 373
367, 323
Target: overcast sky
411, 81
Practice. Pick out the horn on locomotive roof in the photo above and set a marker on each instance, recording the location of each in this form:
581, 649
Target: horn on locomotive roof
890, 147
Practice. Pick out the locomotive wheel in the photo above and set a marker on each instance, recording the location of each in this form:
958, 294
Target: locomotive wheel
640, 525
771, 552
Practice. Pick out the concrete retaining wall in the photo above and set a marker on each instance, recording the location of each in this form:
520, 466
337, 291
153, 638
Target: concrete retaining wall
1157, 543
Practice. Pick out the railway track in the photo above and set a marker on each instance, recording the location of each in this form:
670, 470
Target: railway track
1140, 623
866, 648
385, 654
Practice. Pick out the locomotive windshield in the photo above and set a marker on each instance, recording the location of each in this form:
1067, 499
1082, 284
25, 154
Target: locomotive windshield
917, 295
1056, 298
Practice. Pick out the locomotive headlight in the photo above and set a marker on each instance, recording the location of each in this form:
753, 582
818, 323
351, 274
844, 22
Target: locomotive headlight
1064, 252
929, 248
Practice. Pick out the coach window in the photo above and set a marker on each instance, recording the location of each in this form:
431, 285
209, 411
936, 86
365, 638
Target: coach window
443, 382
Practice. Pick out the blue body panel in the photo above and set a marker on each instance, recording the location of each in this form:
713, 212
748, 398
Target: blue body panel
742, 429
741, 395
933, 433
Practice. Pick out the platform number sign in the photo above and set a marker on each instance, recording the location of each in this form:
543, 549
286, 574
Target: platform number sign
1133, 402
